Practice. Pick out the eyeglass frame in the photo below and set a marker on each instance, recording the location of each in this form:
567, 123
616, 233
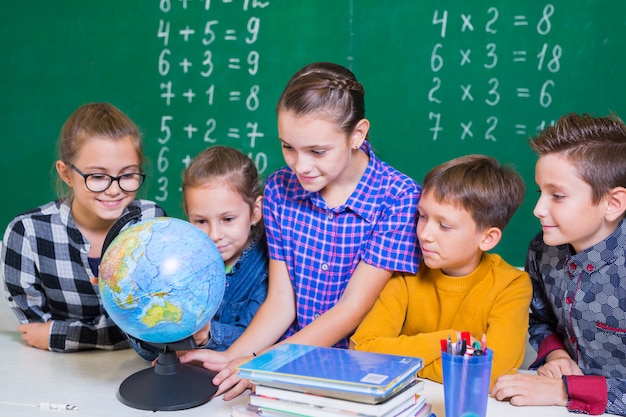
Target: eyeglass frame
111, 178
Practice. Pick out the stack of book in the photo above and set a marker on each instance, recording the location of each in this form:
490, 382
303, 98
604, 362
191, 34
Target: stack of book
300, 380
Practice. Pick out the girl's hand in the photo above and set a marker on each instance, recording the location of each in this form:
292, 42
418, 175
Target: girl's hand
226, 379
229, 382
36, 334
210, 359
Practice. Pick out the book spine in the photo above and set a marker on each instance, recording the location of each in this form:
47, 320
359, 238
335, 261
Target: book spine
309, 409
409, 397
300, 409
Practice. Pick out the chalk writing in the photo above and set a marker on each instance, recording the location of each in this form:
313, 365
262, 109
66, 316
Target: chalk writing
500, 33
208, 59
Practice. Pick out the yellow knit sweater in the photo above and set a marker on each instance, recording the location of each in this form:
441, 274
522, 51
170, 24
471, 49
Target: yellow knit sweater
414, 312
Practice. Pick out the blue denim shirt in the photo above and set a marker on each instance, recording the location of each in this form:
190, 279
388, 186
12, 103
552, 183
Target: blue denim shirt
246, 289
581, 298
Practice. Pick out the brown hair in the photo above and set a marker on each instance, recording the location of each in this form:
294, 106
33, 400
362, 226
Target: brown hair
226, 165
327, 88
596, 146
95, 119
489, 191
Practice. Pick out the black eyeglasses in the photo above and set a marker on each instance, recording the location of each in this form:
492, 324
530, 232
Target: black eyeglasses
98, 183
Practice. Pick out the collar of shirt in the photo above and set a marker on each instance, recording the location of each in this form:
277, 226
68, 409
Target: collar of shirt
67, 220
359, 201
602, 253
256, 249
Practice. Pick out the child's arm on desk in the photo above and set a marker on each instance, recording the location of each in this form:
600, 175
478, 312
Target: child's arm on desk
36, 334
525, 389
365, 284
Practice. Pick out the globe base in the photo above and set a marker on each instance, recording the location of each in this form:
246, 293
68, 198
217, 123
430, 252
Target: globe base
168, 386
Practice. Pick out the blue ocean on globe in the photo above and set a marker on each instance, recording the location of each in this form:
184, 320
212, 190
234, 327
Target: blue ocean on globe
161, 280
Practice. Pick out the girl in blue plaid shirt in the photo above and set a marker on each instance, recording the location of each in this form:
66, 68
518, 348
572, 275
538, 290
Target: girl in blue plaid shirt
50, 254
339, 221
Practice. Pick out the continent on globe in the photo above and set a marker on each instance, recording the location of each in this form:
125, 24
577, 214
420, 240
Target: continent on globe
160, 314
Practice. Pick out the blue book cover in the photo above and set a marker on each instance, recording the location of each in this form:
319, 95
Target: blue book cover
342, 373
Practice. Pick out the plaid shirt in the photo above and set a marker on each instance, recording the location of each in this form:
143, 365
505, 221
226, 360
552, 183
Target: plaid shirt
579, 304
322, 246
47, 273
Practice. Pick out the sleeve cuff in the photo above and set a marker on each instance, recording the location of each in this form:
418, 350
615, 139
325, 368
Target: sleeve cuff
204, 345
549, 344
215, 336
57, 336
586, 393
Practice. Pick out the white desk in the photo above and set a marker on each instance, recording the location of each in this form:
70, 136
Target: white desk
90, 380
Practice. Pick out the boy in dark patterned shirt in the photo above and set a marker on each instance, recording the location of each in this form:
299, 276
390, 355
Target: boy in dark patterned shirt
578, 269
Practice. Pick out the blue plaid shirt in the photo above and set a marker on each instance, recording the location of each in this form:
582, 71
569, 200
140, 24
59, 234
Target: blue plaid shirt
322, 246
579, 304
47, 277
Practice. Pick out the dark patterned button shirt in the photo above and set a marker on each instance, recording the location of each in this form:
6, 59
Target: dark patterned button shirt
579, 304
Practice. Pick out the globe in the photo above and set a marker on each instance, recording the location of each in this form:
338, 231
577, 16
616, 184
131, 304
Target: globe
161, 280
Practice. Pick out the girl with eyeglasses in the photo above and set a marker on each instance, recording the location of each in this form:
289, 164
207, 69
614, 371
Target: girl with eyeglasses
50, 255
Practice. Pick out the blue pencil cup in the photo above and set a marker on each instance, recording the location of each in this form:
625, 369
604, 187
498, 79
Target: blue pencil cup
466, 384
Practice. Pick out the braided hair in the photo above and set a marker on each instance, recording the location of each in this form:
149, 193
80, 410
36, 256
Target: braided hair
327, 88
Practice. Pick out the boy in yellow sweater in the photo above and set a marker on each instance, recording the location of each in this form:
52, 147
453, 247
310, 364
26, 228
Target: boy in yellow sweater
465, 205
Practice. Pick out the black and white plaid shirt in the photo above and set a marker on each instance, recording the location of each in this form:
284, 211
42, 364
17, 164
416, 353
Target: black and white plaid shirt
47, 277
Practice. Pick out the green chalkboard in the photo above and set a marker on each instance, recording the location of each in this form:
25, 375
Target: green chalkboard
443, 79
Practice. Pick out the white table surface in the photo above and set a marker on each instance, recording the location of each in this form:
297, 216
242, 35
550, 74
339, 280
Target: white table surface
90, 380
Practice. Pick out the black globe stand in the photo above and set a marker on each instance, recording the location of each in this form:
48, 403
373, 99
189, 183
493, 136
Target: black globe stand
170, 385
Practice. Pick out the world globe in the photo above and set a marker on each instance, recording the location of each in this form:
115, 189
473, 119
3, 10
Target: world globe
161, 280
